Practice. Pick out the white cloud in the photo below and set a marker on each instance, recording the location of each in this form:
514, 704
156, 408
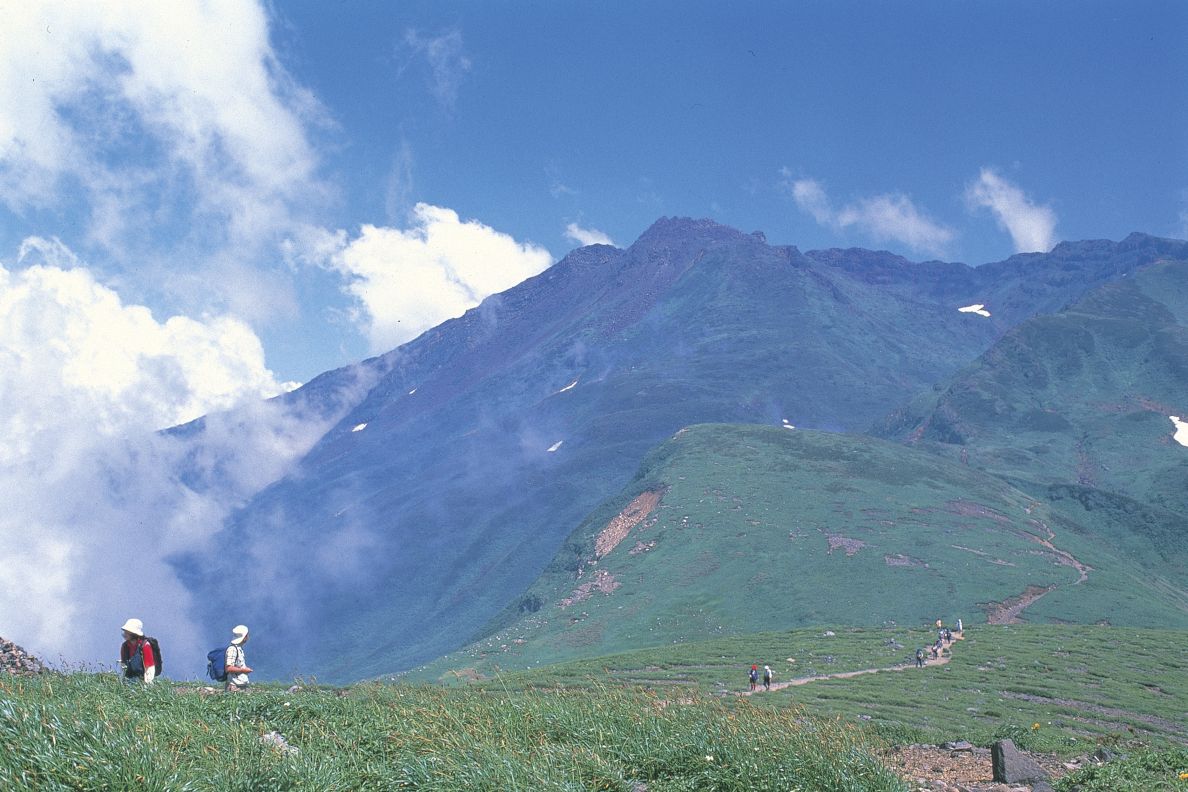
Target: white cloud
72, 354
810, 197
890, 217
447, 60
407, 281
1032, 228
587, 236
92, 497
89, 534
117, 104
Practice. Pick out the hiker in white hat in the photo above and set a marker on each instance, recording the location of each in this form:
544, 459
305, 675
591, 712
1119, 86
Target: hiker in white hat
136, 653
235, 662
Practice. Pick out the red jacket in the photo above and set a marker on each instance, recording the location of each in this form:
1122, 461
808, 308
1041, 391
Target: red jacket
146, 651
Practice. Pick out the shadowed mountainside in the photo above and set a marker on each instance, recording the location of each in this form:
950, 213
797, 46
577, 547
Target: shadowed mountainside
445, 491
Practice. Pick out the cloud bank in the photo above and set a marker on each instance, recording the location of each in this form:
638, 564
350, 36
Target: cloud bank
1032, 228
406, 281
106, 108
587, 236
93, 497
72, 351
890, 217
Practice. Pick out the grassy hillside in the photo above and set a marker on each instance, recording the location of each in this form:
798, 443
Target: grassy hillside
89, 732
1082, 685
756, 528
1082, 397
669, 718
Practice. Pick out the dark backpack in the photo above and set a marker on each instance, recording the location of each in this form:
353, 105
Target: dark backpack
754, 675
216, 664
134, 664
156, 654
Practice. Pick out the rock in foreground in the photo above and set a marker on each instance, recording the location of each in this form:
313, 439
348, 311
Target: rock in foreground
15, 660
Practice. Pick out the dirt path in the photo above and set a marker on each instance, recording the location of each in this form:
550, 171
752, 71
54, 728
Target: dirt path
942, 660
1009, 610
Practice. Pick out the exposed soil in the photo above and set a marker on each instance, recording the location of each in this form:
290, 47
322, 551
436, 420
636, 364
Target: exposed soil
930, 765
900, 560
603, 581
617, 529
850, 546
1007, 611
1063, 557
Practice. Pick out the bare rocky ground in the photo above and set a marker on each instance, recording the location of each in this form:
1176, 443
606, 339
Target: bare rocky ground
934, 768
15, 660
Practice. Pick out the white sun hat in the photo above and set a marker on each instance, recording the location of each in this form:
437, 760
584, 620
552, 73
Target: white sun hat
134, 626
239, 634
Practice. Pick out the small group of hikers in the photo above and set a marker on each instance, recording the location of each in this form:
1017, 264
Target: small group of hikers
944, 637
141, 661
753, 677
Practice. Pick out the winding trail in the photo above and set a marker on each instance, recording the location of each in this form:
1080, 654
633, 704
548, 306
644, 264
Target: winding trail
1008, 611
942, 660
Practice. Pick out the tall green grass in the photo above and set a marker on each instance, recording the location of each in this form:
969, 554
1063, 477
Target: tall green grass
90, 732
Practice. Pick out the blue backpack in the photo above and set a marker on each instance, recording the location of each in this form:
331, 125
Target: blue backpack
216, 664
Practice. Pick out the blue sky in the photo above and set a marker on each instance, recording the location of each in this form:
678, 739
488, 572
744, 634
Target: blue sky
203, 202
222, 162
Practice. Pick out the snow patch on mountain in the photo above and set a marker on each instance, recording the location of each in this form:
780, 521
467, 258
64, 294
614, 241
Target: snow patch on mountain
1181, 435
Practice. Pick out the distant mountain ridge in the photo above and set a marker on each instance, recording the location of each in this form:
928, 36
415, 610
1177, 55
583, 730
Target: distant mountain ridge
437, 500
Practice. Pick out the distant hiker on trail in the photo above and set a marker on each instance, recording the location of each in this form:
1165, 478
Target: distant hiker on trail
235, 663
136, 653
767, 677
920, 658
753, 677
960, 629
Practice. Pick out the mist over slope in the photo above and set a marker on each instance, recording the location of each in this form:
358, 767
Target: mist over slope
439, 498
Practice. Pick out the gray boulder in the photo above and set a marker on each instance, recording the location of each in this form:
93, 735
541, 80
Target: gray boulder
1012, 766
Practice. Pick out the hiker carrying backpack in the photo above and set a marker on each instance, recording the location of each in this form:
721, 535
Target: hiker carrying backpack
216, 664
140, 654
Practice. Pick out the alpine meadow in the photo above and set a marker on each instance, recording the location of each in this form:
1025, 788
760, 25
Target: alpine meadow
668, 397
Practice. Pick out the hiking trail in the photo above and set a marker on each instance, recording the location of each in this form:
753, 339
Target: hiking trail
928, 661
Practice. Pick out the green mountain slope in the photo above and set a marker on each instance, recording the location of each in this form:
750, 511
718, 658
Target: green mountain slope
735, 529
1077, 408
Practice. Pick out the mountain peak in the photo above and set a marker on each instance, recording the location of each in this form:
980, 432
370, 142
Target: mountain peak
689, 228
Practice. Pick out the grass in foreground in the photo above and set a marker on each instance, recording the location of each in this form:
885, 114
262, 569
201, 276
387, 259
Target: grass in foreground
84, 732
